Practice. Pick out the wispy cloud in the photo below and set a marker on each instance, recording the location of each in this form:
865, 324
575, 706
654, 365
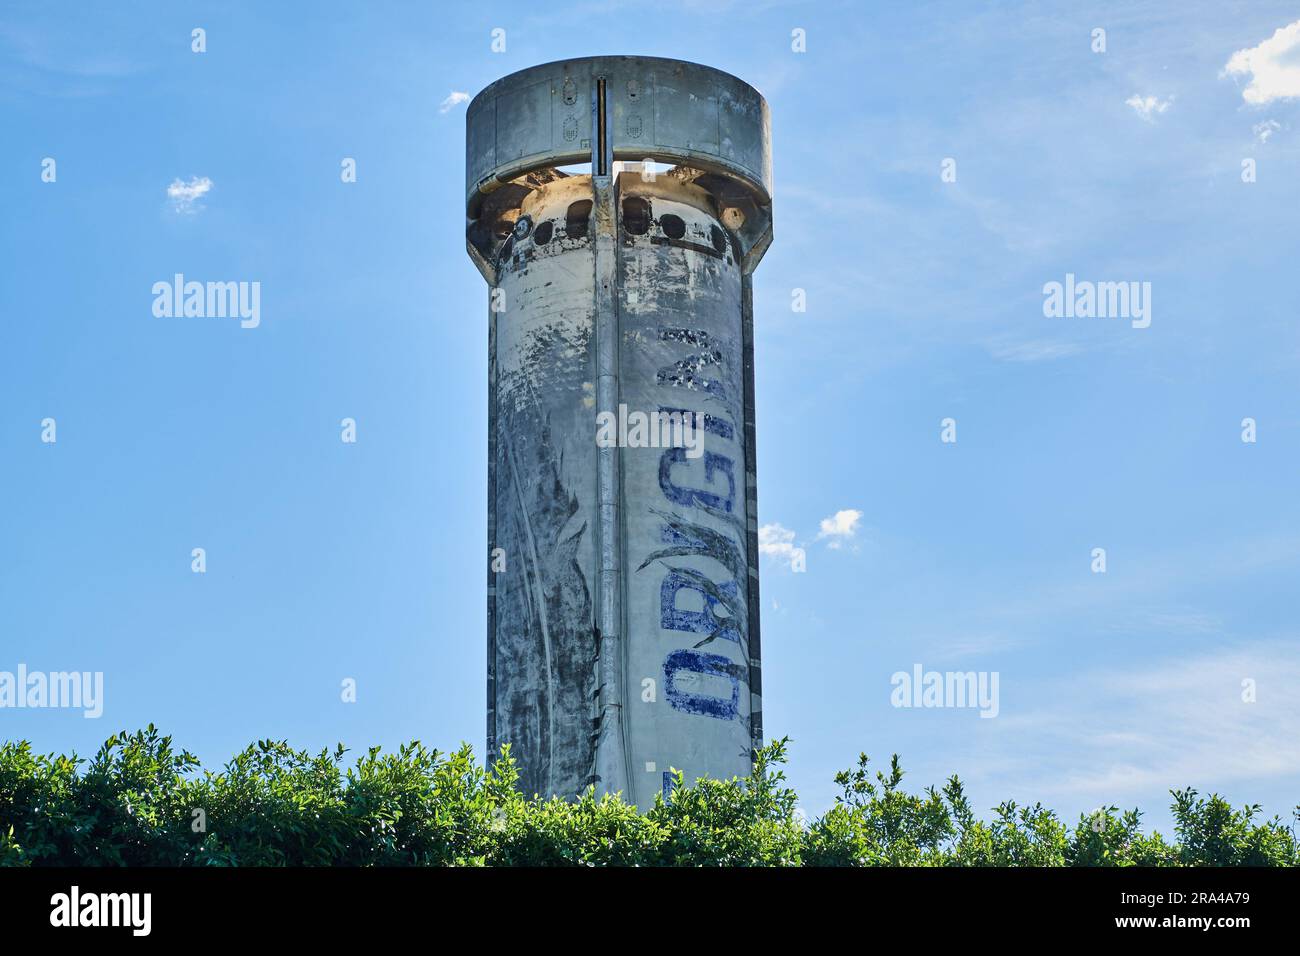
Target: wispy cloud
1273, 66
453, 100
185, 196
1225, 720
1148, 107
1182, 621
840, 527
66, 53
977, 645
1178, 722
1265, 129
1040, 350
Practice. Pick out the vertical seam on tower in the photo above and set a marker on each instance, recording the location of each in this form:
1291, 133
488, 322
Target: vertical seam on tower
755, 648
611, 743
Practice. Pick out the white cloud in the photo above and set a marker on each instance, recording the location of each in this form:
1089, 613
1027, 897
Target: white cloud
1148, 106
778, 542
453, 100
1265, 129
840, 527
185, 196
1274, 67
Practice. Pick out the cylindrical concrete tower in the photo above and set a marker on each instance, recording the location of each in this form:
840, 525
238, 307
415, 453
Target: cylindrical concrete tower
623, 637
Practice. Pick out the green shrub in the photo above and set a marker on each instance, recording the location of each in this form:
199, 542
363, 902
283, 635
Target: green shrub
139, 802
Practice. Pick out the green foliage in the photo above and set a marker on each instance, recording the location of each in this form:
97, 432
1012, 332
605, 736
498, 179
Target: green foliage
1211, 833
732, 822
139, 802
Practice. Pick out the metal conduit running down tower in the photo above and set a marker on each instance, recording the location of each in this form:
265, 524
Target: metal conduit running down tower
623, 637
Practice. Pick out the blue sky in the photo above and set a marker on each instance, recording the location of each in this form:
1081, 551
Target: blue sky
328, 561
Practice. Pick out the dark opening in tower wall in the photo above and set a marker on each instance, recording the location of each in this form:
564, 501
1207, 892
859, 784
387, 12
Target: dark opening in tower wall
674, 227
717, 238
636, 216
578, 219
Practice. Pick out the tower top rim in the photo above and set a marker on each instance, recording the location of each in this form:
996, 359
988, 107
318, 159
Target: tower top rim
659, 108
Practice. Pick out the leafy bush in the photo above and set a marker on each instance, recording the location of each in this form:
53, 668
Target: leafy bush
139, 802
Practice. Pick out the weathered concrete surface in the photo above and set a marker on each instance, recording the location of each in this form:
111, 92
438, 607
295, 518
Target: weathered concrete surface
544, 645
612, 290
687, 603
